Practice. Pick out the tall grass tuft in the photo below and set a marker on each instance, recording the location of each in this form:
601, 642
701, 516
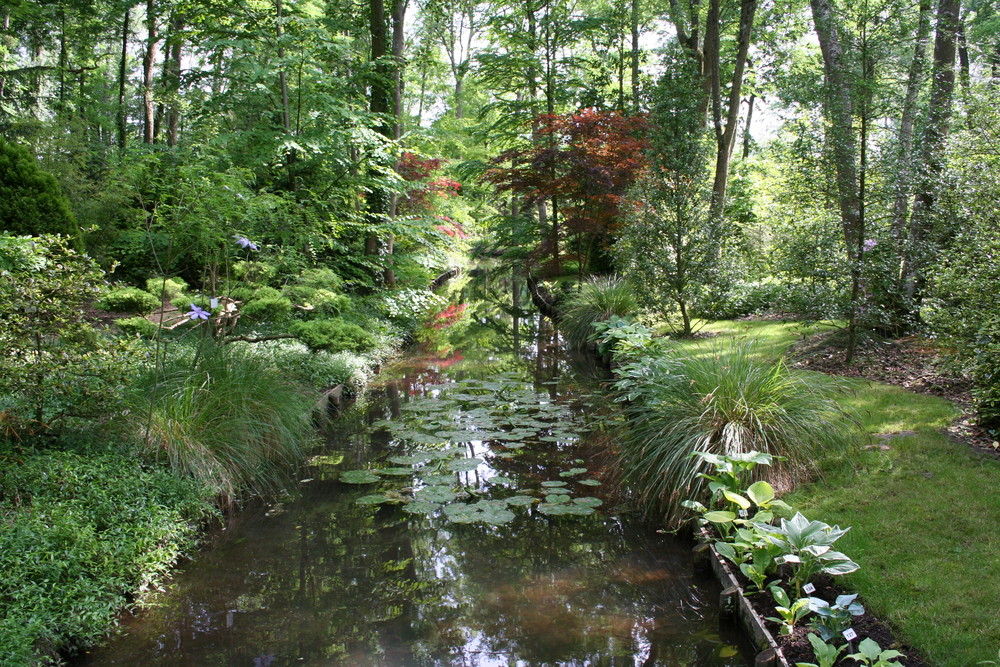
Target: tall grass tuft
230, 420
723, 401
597, 300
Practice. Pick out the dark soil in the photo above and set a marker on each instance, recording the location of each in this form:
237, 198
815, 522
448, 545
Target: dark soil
913, 362
796, 647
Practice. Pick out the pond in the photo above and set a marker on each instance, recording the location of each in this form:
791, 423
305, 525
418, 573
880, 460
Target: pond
483, 536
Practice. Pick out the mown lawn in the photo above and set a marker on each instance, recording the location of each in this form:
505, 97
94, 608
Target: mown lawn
921, 512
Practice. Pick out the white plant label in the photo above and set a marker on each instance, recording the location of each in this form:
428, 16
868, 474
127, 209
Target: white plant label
849, 634
743, 513
808, 589
214, 303
780, 560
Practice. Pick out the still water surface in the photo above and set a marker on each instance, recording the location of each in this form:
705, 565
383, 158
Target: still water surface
322, 580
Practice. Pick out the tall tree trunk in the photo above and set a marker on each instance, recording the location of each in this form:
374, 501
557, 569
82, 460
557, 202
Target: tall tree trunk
634, 20
839, 111
914, 83
380, 102
747, 137
174, 79
726, 137
936, 132
286, 121
122, 76
148, 62
3, 57
63, 57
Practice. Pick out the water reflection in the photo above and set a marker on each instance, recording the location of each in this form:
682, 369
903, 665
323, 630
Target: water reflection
323, 581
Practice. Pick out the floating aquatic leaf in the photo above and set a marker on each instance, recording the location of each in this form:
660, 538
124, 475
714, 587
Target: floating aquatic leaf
589, 502
395, 472
359, 477
375, 499
464, 465
499, 479
520, 501
588, 482
505, 455
564, 509
557, 498
554, 483
411, 459
436, 494
421, 507
438, 479
572, 472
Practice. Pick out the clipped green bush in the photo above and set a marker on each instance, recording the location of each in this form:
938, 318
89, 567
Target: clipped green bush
31, 201
597, 300
320, 370
723, 401
183, 302
334, 335
234, 422
128, 300
168, 289
271, 309
254, 272
137, 325
320, 278
321, 303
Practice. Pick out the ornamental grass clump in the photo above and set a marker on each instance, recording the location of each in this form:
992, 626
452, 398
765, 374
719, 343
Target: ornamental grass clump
724, 401
598, 300
230, 420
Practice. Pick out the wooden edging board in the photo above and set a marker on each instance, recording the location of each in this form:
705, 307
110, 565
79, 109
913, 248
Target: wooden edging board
734, 603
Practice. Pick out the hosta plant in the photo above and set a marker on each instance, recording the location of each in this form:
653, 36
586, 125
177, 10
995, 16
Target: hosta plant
871, 654
826, 654
808, 547
833, 619
789, 613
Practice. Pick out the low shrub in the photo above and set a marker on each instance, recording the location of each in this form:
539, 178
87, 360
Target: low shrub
232, 421
321, 278
318, 302
168, 289
128, 300
137, 326
317, 369
597, 300
725, 402
256, 272
334, 335
271, 309
82, 534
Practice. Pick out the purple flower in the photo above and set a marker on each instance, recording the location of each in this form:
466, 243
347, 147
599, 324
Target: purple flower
245, 243
197, 312
869, 244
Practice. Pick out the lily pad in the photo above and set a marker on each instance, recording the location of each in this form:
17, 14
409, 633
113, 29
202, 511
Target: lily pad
572, 472
464, 465
412, 459
564, 509
589, 502
553, 484
359, 477
436, 494
499, 479
588, 482
557, 498
520, 501
395, 472
421, 507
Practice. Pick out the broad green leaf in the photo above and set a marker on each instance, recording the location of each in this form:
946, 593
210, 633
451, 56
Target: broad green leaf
720, 516
359, 477
736, 499
760, 492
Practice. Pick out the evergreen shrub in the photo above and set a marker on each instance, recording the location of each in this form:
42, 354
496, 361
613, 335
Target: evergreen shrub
128, 300
334, 335
31, 201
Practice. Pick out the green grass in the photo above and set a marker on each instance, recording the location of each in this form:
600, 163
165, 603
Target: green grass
921, 514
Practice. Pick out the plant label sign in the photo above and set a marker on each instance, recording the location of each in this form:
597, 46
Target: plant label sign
849, 634
780, 560
743, 514
808, 589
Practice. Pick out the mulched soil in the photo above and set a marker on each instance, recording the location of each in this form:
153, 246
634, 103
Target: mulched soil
796, 647
912, 362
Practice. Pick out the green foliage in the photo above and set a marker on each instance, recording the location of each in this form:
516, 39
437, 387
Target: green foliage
807, 547
82, 535
269, 309
318, 302
720, 401
333, 335
871, 654
598, 299
55, 365
233, 422
789, 613
137, 326
317, 369
168, 289
128, 300
826, 654
833, 619
31, 201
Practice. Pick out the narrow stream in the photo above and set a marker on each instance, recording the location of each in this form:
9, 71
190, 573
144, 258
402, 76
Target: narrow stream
486, 540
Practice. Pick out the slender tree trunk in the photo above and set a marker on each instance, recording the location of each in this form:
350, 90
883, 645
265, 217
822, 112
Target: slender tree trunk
747, 137
726, 137
914, 83
63, 58
286, 121
148, 62
380, 102
3, 57
174, 80
936, 132
634, 20
122, 81
839, 111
